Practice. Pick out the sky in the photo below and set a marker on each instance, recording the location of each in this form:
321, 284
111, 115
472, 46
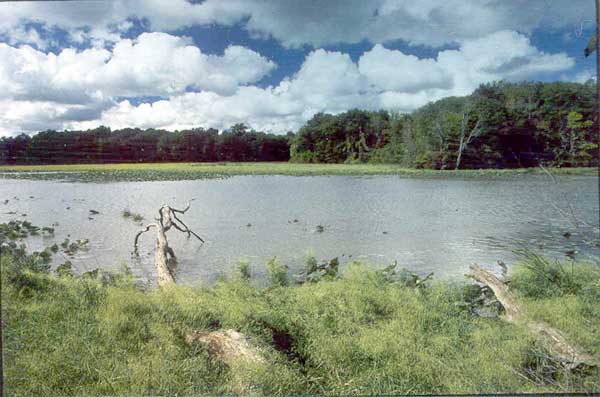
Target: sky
271, 64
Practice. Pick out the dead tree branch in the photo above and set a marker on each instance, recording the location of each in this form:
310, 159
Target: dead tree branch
164, 255
555, 342
185, 228
137, 236
474, 133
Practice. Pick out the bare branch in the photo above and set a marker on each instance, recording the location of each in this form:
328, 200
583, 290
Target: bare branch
549, 174
184, 210
475, 132
185, 228
137, 236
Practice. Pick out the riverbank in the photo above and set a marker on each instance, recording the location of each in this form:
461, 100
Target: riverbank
190, 171
360, 332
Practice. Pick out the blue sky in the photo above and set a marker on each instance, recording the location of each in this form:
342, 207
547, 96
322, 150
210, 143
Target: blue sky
270, 64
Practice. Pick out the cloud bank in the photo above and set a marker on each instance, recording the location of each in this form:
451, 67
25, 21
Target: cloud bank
161, 79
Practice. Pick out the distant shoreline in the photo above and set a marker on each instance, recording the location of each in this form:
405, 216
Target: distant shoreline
190, 171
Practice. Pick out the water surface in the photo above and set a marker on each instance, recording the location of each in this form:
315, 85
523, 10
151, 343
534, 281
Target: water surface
423, 224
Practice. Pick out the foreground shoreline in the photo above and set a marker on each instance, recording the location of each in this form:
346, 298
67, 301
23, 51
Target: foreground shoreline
362, 332
356, 331
190, 171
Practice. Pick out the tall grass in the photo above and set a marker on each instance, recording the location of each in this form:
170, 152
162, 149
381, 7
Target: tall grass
361, 332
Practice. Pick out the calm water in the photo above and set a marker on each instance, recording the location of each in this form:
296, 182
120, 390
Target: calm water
426, 225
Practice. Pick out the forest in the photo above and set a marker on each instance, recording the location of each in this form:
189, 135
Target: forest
101, 145
500, 125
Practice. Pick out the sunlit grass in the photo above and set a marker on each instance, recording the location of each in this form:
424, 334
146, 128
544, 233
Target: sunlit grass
356, 334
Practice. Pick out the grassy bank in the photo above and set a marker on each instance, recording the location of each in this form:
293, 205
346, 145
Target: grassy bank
188, 171
362, 332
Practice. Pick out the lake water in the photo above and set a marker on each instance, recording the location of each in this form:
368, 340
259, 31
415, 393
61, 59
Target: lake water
439, 225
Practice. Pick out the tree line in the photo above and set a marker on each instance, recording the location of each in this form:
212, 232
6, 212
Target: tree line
500, 125
101, 145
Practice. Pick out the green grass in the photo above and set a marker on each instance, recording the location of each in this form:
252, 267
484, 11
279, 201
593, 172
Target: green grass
363, 332
187, 171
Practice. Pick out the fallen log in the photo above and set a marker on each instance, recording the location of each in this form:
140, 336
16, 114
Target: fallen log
233, 349
165, 259
569, 354
229, 346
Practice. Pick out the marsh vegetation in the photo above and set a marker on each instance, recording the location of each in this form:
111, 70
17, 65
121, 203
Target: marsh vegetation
360, 331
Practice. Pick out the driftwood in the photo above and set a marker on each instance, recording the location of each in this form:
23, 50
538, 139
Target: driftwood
555, 342
229, 346
233, 349
164, 255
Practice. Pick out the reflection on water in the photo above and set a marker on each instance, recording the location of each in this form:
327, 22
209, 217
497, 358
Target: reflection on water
426, 225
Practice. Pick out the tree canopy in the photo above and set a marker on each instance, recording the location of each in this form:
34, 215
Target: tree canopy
500, 125
101, 145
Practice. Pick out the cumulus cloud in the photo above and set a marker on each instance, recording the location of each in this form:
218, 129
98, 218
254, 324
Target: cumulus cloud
162, 64
581, 77
155, 64
30, 116
317, 23
330, 81
104, 82
264, 109
396, 71
504, 55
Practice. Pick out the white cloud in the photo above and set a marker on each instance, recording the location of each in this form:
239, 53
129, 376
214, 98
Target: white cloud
29, 116
22, 35
261, 108
155, 64
393, 70
329, 81
582, 76
501, 55
295, 23
161, 64
80, 88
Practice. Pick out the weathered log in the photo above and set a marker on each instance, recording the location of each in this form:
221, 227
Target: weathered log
232, 348
164, 255
569, 354
229, 346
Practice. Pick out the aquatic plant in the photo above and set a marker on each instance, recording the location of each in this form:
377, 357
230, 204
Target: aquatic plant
190, 171
127, 213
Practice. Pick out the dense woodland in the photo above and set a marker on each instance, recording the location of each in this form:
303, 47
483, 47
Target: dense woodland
101, 145
500, 125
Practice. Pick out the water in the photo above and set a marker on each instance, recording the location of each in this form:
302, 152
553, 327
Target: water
424, 224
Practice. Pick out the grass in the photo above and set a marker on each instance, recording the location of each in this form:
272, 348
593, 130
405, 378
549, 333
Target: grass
361, 332
188, 171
